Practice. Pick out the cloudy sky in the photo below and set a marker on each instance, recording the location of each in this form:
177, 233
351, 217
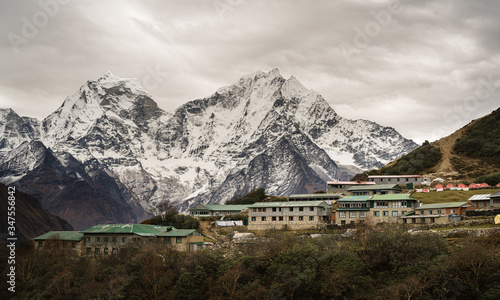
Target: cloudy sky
425, 68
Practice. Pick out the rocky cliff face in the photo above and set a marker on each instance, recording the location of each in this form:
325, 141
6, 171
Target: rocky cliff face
31, 219
262, 131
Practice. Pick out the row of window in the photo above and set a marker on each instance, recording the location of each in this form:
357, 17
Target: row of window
274, 209
57, 244
98, 251
353, 205
363, 214
98, 239
439, 212
124, 239
290, 218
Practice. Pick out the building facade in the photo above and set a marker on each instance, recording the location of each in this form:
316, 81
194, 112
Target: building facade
290, 215
437, 213
387, 208
343, 186
210, 210
327, 197
396, 179
376, 189
485, 200
72, 240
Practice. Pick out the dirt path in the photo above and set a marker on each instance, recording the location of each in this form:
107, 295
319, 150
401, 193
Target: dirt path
206, 228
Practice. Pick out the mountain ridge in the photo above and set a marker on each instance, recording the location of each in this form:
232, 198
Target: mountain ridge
209, 149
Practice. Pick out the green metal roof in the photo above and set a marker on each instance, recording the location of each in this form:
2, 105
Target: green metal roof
178, 232
392, 197
289, 204
139, 229
355, 198
373, 187
309, 196
61, 235
222, 207
441, 205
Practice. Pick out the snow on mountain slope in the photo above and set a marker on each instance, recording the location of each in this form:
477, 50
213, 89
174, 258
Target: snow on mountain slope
261, 131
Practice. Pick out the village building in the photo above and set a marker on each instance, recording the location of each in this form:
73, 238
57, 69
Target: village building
109, 238
438, 213
60, 240
387, 208
327, 197
343, 186
485, 200
288, 215
397, 179
352, 210
210, 210
376, 189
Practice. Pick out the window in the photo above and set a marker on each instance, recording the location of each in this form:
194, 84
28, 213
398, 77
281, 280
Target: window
395, 213
106, 251
178, 240
342, 222
280, 218
352, 214
376, 214
40, 244
124, 239
105, 239
87, 239
311, 208
114, 239
452, 211
381, 204
290, 218
274, 208
291, 208
311, 218
385, 214
97, 251
97, 239
430, 212
273, 218
362, 214
114, 251
403, 212
254, 219
301, 209
301, 218
263, 218
89, 250
341, 214
73, 245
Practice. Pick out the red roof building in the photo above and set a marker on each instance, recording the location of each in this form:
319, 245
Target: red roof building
439, 186
484, 185
473, 186
449, 186
461, 186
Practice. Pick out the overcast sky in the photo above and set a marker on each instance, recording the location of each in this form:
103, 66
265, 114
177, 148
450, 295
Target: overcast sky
425, 68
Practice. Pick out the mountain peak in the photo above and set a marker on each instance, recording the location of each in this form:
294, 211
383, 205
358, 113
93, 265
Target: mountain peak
109, 80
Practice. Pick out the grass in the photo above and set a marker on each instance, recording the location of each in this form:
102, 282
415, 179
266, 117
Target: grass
450, 196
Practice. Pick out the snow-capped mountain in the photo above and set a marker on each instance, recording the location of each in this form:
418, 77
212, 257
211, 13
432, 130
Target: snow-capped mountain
262, 131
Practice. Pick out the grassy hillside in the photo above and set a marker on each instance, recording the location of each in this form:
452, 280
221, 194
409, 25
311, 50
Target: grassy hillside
450, 196
468, 153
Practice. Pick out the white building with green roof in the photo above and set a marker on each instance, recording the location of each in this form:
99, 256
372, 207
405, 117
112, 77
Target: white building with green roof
292, 215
